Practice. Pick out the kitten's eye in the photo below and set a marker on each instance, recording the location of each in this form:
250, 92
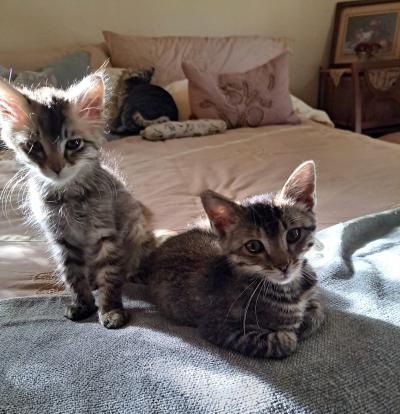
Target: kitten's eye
74, 144
293, 235
254, 246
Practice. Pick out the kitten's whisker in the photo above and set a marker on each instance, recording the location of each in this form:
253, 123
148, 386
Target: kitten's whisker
9, 182
255, 307
94, 183
294, 219
4, 195
247, 307
90, 107
307, 274
21, 195
65, 213
14, 187
112, 186
8, 190
244, 290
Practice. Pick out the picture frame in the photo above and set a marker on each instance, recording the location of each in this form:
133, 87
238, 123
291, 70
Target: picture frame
365, 29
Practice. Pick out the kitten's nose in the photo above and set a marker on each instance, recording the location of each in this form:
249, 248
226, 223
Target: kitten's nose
283, 267
57, 168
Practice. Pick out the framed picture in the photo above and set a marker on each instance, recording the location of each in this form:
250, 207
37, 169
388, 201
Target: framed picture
365, 29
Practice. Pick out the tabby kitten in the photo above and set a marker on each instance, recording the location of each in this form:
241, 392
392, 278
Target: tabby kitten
97, 231
244, 282
143, 104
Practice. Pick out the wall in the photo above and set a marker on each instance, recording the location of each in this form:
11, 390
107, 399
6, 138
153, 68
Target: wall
36, 24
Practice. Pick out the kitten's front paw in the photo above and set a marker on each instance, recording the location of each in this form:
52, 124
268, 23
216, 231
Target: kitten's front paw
280, 344
312, 321
114, 318
77, 312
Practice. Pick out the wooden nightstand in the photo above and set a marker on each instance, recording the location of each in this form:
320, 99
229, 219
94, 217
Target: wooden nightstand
363, 98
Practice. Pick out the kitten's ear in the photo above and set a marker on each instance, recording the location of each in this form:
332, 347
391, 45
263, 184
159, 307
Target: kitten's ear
14, 107
223, 213
89, 96
300, 187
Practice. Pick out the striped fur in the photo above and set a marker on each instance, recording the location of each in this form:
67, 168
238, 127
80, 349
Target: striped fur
97, 232
259, 305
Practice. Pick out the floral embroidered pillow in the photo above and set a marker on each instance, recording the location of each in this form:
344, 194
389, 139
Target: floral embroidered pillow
257, 97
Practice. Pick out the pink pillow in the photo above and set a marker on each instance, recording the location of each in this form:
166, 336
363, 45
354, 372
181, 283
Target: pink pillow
257, 97
166, 54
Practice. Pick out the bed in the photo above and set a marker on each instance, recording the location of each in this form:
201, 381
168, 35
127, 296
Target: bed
153, 368
357, 175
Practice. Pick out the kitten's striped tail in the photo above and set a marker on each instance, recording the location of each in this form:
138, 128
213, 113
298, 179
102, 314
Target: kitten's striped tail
144, 271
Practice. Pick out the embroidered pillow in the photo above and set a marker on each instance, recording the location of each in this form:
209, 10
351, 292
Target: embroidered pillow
257, 97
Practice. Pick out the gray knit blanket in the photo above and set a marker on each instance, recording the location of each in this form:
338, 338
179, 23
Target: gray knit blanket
49, 364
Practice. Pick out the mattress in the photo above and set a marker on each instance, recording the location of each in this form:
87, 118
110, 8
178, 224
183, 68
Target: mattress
357, 175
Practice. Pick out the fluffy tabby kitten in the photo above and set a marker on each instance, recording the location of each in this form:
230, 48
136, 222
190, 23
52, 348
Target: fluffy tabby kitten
96, 230
244, 282
143, 104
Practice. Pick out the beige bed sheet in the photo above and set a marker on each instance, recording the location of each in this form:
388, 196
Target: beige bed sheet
356, 175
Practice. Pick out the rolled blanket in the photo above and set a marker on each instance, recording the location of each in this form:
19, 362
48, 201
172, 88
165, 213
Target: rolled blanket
192, 128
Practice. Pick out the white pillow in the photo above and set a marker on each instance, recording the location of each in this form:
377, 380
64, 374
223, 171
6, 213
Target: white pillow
179, 91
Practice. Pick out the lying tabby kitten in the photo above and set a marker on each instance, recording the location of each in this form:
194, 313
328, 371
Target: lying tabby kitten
97, 231
245, 283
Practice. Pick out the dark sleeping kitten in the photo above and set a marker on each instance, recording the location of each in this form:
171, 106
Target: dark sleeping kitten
244, 282
143, 104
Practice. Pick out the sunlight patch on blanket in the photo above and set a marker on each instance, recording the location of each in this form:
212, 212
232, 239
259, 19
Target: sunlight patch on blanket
19, 251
